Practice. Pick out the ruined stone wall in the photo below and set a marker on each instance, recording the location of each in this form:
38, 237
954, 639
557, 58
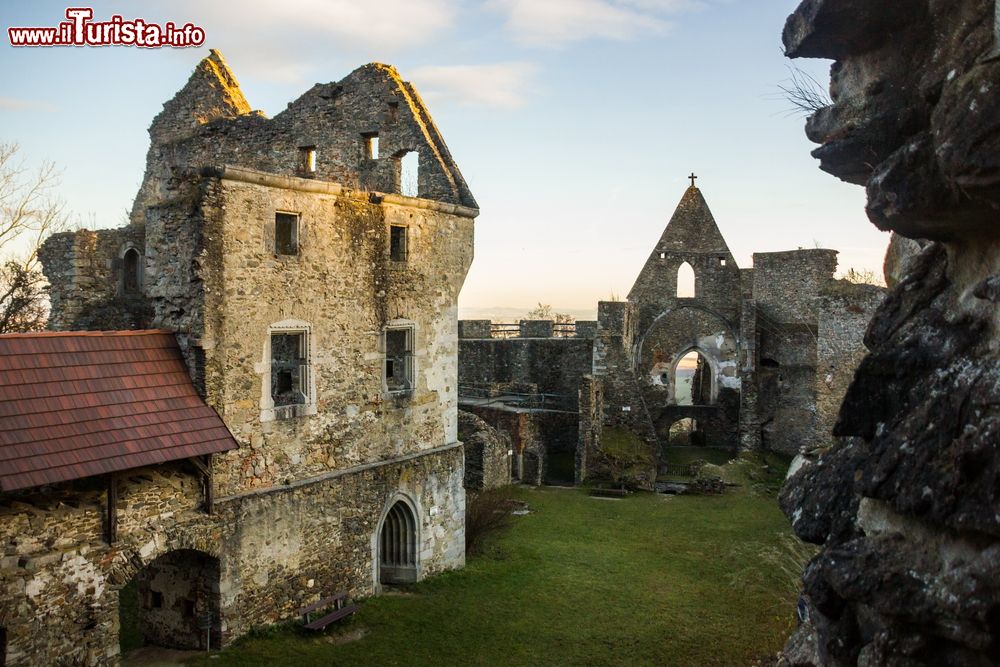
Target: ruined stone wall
85, 273
277, 551
786, 285
525, 433
591, 425
209, 123
624, 406
844, 314
60, 603
786, 386
488, 453
554, 365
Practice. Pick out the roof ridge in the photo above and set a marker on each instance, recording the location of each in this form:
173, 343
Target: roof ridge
109, 333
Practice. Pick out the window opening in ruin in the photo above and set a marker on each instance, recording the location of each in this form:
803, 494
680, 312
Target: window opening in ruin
189, 607
767, 362
398, 546
393, 111
397, 243
307, 159
3, 647
681, 432
370, 140
399, 360
131, 267
409, 166
685, 281
289, 373
663, 255
693, 380
722, 261
155, 600
286, 234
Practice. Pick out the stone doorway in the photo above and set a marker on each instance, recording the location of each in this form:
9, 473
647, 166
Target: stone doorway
173, 602
398, 546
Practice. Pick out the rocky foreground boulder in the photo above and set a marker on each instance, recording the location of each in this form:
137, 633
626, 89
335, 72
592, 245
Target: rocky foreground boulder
906, 505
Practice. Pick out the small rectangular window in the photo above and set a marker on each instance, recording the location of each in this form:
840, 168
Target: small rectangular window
286, 234
399, 360
371, 145
397, 243
722, 261
289, 376
307, 159
189, 608
155, 600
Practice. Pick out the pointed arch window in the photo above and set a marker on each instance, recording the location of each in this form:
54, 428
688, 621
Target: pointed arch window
685, 281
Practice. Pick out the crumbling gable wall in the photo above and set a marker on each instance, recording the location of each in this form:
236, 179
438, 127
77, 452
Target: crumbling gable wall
209, 123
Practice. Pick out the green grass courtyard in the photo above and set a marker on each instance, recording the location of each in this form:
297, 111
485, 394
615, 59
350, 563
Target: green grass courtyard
645, 580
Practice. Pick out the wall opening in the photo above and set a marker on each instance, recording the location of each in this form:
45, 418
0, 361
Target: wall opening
131, 271
397, 243
307, 159
682, 432
286, 234
172, 602
3, 647
289, 370
398, 546
399, 359
693, 380
409, 165
685, 281
369, 141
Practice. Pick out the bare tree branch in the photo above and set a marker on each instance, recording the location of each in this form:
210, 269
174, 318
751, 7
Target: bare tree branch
29, 209
29, 213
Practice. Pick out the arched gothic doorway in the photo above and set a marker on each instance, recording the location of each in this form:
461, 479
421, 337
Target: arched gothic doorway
398, 546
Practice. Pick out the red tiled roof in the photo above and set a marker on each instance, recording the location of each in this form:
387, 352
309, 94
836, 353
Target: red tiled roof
84, 403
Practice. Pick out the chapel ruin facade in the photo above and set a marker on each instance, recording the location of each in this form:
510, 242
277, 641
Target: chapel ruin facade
771, 350
289, 387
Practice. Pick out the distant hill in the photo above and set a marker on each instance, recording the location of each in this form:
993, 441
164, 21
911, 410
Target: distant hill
510, 314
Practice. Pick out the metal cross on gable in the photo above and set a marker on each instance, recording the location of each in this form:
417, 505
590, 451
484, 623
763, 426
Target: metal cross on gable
693, 178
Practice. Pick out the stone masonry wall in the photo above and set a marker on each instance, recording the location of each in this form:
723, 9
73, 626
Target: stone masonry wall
554, 365
277, 551
786, 284
84, 270
844, 313
488, 453
209, 123
222, 287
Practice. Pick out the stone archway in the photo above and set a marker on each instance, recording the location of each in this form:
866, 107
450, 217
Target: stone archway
398, 544
173, 601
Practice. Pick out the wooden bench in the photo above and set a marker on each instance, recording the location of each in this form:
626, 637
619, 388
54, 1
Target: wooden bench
340, 611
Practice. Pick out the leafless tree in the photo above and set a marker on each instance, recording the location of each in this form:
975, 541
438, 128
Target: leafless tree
29, 213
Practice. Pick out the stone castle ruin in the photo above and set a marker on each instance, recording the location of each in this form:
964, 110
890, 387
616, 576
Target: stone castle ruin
753, 358
287, 392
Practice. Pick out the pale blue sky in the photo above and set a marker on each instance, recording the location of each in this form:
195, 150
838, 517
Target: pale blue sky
575, 122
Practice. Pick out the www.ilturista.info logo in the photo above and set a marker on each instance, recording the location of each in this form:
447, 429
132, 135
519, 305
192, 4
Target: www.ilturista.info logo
79, 30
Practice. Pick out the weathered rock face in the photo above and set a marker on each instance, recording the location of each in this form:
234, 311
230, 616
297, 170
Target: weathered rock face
905, 505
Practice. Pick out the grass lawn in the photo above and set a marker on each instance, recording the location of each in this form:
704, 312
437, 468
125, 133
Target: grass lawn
649, 579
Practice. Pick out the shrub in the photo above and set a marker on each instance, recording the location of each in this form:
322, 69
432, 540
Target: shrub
486, 513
